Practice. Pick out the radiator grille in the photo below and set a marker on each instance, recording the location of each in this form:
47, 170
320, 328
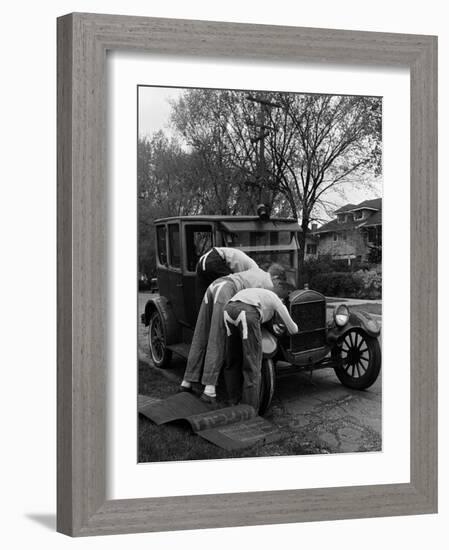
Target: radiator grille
308, 340
311, 319
309, 315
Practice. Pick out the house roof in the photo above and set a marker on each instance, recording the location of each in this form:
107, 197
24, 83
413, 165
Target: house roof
346, 208
335, 225
375, 219
370, 204
375, 205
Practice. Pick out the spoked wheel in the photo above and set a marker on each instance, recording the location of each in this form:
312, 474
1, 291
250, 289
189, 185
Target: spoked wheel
267, 384
159, 353
359, 358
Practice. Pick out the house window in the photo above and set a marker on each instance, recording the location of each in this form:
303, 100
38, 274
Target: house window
311, 249
341, 218
335, 236
373, 235
359, 215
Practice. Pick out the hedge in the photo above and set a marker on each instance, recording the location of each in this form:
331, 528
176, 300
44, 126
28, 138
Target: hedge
323, 276
336, 284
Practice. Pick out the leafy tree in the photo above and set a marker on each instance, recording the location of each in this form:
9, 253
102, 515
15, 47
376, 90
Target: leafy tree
168, 185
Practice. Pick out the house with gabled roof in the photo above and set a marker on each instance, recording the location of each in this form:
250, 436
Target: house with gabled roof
353, 233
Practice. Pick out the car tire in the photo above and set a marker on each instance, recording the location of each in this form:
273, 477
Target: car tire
159, 354
267, 385
359, 359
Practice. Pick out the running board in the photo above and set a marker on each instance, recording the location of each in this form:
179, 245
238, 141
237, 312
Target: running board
180, 349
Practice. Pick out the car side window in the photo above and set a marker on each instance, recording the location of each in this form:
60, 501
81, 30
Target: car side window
174, 248
198, 241
161, 244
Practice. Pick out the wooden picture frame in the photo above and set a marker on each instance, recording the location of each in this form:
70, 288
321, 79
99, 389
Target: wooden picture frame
83, 40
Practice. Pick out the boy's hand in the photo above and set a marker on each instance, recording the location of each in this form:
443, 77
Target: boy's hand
278, 329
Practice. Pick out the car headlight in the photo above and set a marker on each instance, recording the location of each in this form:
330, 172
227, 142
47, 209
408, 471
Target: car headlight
341, 315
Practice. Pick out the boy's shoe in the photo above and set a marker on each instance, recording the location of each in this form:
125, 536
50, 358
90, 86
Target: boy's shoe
211, 400
183, 389
232, 402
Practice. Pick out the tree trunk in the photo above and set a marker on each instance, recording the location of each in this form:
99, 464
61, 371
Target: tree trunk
302, 251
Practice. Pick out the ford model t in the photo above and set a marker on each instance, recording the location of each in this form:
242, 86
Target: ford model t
348, 342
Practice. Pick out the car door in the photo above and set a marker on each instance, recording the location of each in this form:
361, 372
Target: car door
175, 280
198, 238
162, 260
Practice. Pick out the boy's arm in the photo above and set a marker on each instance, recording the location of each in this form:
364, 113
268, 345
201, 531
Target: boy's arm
246, 260
252, 263
283, 313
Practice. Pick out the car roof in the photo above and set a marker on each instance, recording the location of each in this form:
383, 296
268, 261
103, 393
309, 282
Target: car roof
218, 218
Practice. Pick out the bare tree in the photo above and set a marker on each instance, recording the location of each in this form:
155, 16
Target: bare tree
237, 149
223, 127
289, 150
321, 143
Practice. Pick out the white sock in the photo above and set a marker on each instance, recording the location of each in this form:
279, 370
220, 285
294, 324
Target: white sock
185, 384
210, 390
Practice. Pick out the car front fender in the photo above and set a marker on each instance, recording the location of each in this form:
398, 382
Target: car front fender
165, 310
357, 319
269, 343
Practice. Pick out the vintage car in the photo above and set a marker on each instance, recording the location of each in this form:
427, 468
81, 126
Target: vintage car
347, 342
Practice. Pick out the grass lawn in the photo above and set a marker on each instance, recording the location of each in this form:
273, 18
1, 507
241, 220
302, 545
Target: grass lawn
176, 441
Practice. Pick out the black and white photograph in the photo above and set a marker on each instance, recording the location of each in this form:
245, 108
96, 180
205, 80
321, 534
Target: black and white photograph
220, 284
260, 273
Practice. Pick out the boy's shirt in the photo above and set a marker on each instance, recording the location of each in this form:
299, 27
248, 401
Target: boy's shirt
235, 259
268, 303
252, 278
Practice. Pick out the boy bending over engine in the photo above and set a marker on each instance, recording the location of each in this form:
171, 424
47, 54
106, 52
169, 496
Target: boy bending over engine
207, 352
243, 316
220, 262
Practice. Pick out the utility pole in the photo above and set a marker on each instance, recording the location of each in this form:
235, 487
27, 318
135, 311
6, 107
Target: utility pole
262, 175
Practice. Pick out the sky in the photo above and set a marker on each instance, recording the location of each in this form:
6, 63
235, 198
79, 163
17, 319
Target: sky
154, 112
154, 108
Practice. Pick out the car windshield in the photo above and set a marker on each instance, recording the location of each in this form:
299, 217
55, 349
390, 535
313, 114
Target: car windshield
259, 238
265, 258
285, 258
267, 248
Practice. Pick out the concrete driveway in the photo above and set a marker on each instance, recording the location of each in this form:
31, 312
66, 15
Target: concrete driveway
317, 408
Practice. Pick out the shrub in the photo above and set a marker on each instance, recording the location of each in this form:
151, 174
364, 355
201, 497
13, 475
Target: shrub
336, 278
336, 284
375, 254
370, 282
316, 266
361, 284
